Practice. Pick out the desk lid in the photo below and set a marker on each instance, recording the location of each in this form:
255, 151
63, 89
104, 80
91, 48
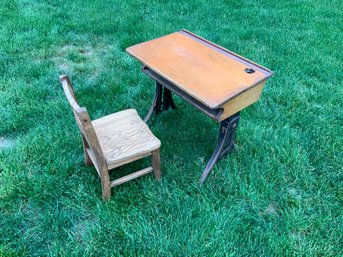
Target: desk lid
211, 74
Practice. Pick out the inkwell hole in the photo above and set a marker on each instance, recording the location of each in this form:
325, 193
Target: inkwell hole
249, 70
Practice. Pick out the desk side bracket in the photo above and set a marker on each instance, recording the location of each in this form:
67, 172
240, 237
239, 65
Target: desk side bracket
225, 143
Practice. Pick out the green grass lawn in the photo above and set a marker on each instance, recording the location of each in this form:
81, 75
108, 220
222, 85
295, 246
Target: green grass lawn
278, 194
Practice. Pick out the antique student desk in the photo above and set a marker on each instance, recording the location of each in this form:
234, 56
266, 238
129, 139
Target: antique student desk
216, 81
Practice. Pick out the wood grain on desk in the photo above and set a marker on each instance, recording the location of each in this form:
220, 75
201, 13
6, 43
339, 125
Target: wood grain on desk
204, 72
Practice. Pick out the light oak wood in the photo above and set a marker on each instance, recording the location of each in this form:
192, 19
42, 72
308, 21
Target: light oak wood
131, 176
210, 74
123, 137
113, 141
88, 160
156, 163
240, 102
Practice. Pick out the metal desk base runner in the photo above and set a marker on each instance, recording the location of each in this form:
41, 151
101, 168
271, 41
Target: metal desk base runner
226, 137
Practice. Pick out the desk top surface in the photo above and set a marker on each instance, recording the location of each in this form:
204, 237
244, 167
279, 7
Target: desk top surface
209, 73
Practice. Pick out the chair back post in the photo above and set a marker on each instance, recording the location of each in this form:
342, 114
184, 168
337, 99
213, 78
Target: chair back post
84, 123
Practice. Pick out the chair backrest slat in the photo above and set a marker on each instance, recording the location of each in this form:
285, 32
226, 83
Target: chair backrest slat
83, 121
69, 92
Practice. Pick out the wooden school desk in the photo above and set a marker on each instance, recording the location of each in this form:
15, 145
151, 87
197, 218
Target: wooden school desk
215, 80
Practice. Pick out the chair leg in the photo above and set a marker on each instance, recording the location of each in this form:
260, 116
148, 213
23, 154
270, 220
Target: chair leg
105, 184
155, 157
88, 160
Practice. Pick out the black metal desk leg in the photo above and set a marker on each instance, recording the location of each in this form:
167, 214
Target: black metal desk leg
225, 143
156, 103
168, 99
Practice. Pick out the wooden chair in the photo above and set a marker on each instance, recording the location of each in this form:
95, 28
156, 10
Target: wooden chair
113, 141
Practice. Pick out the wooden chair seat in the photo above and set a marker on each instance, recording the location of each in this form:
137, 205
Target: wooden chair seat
124, 137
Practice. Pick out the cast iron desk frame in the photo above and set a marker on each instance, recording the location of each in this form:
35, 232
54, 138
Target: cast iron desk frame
163, 100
